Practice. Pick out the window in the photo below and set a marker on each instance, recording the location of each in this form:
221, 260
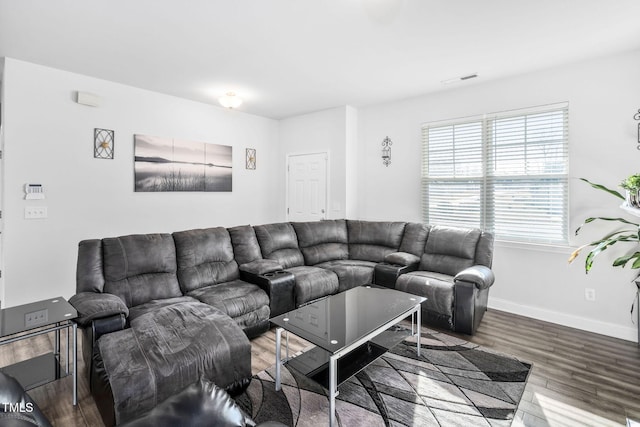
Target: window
504, 172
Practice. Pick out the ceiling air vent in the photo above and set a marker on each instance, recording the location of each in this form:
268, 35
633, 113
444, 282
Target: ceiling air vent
459, 79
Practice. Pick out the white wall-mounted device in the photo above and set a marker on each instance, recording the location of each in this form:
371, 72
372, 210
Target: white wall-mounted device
86, 98
34, 191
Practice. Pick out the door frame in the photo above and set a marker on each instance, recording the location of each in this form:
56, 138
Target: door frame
327, 191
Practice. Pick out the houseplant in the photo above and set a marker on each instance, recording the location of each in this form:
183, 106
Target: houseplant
629, 237
632, 185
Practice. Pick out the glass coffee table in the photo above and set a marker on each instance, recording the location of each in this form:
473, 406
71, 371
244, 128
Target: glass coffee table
349, 330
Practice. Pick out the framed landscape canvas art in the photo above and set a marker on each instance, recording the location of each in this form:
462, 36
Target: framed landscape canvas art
166, 164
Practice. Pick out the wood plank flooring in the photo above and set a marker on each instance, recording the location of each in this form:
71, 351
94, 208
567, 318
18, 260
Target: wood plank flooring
578, 378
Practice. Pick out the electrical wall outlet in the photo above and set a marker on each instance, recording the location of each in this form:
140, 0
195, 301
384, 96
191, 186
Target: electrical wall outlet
36, 318
35, 212
590, 294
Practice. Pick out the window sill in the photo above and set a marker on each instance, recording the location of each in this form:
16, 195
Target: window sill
538, 247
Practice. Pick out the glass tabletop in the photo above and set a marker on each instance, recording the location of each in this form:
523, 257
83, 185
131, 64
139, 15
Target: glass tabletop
24, 317
337, 321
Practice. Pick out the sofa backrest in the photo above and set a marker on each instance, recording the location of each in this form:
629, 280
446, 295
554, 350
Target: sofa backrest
484, 250
89, 269
321, 241
450, 250
204, 257
279, 242
414, 238
373, 240
140, 268
245, 244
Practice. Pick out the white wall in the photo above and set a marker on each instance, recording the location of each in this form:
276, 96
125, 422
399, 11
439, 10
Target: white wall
534, 281
322, 131
49, 140
352, 161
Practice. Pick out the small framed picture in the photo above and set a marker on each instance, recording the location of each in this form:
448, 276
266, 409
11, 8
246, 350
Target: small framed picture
251, 158
103, 143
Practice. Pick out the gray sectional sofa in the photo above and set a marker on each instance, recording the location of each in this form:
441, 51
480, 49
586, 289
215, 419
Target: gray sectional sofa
159, 311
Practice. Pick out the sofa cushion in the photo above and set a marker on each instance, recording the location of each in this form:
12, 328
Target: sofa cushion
321, 241
234, 298
89, 268
373, 240
436, 287
414, 238
204, 257
351, 273
280, 243
167, 349
450, 250
245, 244
140, 268
142, 309
313, 283
484, 250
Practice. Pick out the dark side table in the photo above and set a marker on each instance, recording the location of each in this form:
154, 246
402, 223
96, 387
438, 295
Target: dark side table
38, 318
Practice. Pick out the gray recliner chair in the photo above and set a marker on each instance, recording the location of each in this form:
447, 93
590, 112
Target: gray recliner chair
455, 275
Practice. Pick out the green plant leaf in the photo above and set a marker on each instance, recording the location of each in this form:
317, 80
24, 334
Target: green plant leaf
602, 245
628, 237
603, 188
636, 263
623, 260
600, 218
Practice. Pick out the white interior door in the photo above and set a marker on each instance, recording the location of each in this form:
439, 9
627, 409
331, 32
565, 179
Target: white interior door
307, 187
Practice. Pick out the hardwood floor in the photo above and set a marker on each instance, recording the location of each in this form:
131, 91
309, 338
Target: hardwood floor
578, 378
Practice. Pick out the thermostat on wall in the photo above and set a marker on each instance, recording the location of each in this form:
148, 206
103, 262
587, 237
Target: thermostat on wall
34, 191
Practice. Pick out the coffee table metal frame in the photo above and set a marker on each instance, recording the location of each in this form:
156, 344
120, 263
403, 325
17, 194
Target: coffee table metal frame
415, 314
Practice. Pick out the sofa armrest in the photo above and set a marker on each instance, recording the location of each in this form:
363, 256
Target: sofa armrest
202, 403
479, 275
16, 406
94, 305
260, 266
402, 258
106, 325
279, 286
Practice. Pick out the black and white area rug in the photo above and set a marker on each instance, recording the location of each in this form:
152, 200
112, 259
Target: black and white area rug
452, 383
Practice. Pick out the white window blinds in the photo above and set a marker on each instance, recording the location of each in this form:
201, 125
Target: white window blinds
504, 172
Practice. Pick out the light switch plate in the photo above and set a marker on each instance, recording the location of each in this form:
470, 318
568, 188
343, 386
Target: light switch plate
35, 212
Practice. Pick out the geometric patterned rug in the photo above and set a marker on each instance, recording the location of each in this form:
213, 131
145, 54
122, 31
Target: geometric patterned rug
453, 383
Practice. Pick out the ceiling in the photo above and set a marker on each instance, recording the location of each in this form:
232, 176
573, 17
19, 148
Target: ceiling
288, 57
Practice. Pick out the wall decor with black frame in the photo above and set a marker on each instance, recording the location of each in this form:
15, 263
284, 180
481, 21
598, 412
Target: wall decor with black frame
103, 140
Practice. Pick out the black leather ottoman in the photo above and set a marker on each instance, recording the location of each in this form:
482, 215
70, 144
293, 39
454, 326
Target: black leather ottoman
200, 404
16, 407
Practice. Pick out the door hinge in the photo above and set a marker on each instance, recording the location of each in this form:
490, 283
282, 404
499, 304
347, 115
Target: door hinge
287, 211
0, 154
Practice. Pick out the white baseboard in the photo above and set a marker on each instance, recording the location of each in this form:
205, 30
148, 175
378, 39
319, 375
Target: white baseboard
585, 324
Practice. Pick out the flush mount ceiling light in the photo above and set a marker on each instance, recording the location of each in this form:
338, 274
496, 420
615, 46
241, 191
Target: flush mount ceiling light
230, 100
459, 79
